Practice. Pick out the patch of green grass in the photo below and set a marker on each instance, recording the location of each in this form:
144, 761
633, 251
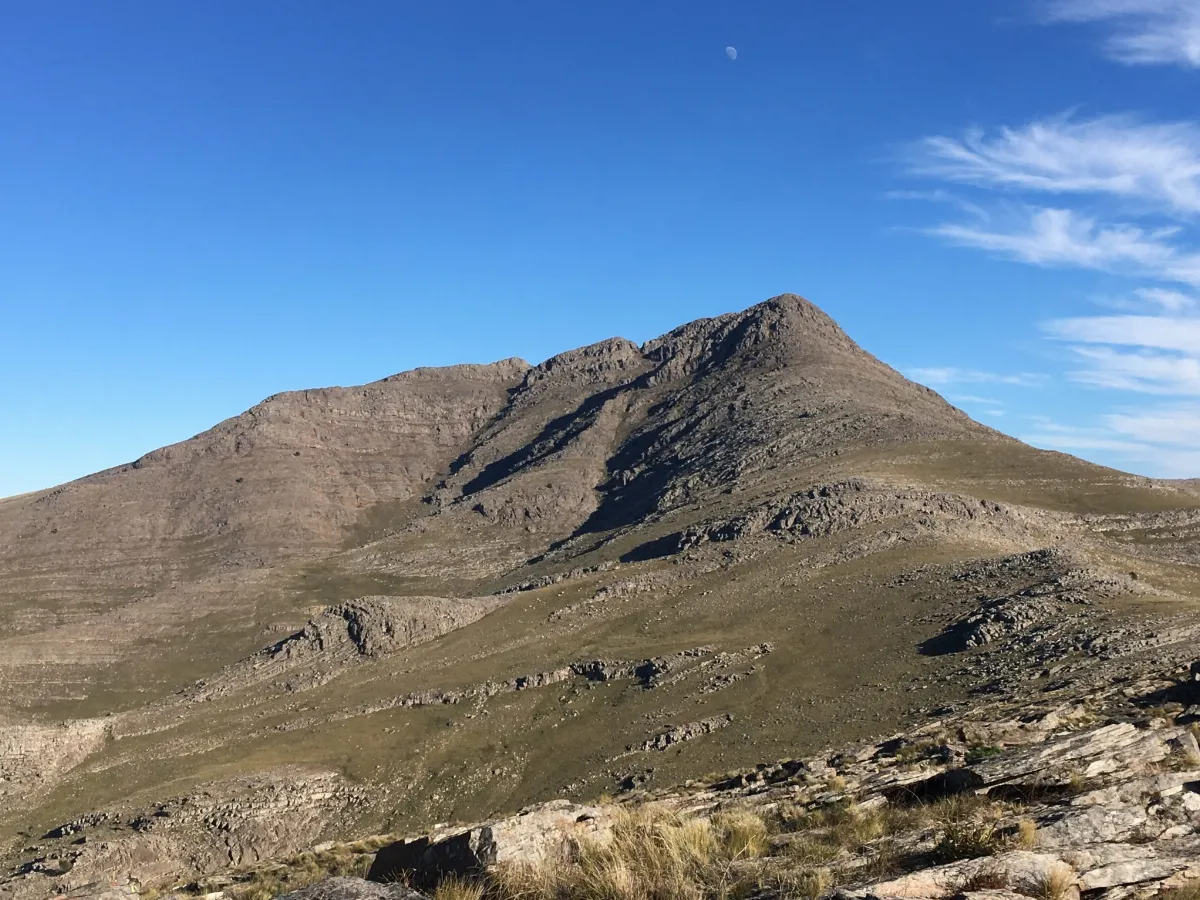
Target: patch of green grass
979, 754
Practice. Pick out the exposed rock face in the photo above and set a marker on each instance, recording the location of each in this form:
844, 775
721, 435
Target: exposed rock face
688, 732
833, 508
33, 756
1003, 617
377, 626
535, 836
1026, 872
362, 629
221, 825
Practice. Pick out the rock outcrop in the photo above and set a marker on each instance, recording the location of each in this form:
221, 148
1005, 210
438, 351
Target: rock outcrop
537, 835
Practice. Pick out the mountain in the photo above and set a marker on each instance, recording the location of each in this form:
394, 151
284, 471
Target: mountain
455, 591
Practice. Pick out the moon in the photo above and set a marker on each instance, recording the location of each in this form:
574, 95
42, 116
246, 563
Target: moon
731, 52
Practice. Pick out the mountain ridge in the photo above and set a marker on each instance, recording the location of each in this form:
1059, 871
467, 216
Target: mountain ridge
717, 542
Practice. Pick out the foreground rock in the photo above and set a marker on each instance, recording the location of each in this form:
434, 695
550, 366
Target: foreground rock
1055, 805
536, 836
353, 889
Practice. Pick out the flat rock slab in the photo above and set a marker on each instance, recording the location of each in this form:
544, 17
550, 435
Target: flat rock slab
1022, 870
353, 889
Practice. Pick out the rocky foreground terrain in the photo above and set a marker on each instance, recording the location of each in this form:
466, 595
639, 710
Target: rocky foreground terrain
615, 582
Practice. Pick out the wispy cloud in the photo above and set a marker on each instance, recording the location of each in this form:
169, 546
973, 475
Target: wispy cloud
942, 196
951, 375
1118, 194
1179, 426
1144, 32
1158, 332
1145, 372
1120, 156
1170, 301
1063, 237
1164, 441
974, 398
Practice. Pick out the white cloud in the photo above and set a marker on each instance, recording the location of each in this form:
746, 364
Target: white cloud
1059, 440
1147, 373
1062, 237
1155, 164
1145, 32
951, 375
1140, 182
1162, 441
1171, 301
1180, 426
973, 398
1159, 332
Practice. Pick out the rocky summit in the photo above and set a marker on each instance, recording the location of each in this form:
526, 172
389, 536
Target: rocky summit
742, 589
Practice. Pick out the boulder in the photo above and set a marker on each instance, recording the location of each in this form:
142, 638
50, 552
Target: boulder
1023, 871
534, 835
1105, 866
1185, 745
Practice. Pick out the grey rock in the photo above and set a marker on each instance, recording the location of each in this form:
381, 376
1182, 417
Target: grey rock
1092, 825
537, 834
1185, 744
353, 889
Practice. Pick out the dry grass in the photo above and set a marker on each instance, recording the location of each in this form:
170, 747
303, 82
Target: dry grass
458, 889
801, 884
1189, 890
300, 871
742, 833
989, 878
1027, 834
823, 835
969, 828
652, 855
1055, 883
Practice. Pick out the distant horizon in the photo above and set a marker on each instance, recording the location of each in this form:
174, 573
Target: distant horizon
208, 205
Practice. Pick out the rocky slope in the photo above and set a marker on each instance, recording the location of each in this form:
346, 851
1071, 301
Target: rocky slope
459, 591
1065, 795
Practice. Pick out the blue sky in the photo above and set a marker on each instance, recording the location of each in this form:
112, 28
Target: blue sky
204, 204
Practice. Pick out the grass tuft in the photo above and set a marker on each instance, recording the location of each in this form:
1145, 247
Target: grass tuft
742, 833
1055, 883
988, 878
653, 854
969, 828
1027, 834
458, 889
